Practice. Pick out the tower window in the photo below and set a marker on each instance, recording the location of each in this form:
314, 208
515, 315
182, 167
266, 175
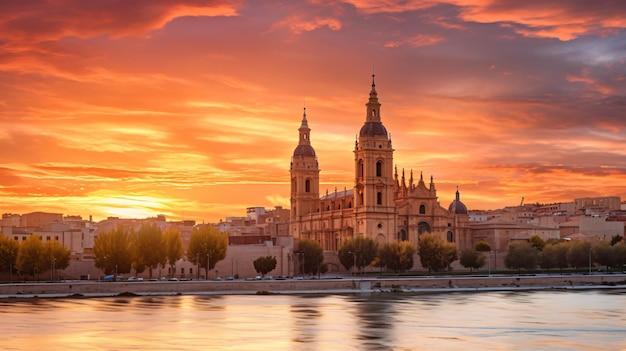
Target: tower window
361, 169
422, 209
373, 113
379, 169
307, 186
379, 198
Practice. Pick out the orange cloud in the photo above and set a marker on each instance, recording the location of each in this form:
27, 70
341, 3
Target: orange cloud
416, 41
297, 24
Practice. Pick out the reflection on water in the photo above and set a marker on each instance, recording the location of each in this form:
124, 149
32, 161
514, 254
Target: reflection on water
585, 320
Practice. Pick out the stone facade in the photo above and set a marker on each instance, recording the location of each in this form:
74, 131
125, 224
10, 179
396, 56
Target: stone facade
381, 205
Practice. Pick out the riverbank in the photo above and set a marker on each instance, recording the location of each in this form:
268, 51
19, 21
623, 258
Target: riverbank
306, 286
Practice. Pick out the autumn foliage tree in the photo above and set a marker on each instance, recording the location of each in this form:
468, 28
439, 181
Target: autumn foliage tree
148, 246
31, 256
359, 250
207, 245
174, 250
8, 253
397, 256
112, 251
435, 254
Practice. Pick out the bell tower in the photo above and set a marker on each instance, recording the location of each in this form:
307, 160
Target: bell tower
374, 179
305, 180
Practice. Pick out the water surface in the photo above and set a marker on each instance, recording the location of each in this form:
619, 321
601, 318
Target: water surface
556, 320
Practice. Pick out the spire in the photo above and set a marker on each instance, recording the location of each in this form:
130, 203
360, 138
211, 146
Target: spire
304, 130
373, 106
458, 196
411, 179
304, 147
432, 183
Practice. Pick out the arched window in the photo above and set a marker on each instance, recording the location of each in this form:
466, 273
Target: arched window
422, 209
379, 169
350, 204
450, 237
361, 169
422, 228
379, 198
402, 235
307, 186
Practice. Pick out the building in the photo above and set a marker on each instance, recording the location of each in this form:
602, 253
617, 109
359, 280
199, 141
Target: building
382, 205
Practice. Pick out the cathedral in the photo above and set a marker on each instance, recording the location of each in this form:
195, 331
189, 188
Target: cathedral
382, 205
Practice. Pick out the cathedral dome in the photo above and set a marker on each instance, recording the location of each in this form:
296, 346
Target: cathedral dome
373, 129
457, 207
304, 150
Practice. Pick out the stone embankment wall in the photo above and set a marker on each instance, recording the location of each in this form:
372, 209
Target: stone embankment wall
303, 286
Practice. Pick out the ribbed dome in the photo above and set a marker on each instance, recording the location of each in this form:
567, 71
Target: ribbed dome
457, 207
372, 129
304, 150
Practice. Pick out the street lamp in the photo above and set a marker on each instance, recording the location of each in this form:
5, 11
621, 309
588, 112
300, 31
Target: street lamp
489, 262
208, 265
354, 259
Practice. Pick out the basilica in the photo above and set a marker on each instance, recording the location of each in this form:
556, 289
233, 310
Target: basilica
383, 205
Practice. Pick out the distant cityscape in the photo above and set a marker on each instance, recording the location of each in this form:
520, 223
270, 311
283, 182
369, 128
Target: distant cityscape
264, 231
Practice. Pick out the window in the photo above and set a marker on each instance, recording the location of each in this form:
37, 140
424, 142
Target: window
379, 198
450, 237
379, 169
422, 209
307, 186
361, 169
182, 270
190, 271
48, 238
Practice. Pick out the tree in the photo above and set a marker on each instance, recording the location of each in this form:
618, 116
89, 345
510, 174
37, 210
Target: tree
471, 259
536, 242
553, 256
31, 256
616, 239
112, 251
521, 255
265, 264
207, 245
359, 250
311, 255
57, 254
173, 247
578, 253
8, 253
397, 256
482, 246
149, 247
435, 254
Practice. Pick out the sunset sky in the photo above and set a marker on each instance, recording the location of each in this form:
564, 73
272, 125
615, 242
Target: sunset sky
191, 108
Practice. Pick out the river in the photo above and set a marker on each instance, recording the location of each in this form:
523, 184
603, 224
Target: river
554, 320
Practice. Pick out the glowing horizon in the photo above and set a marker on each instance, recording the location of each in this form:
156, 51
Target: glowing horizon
191, 109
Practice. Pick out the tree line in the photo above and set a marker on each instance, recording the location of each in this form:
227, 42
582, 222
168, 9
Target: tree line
32, 256
121, 249
435, 254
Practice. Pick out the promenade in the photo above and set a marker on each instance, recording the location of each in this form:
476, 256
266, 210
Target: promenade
303, 286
